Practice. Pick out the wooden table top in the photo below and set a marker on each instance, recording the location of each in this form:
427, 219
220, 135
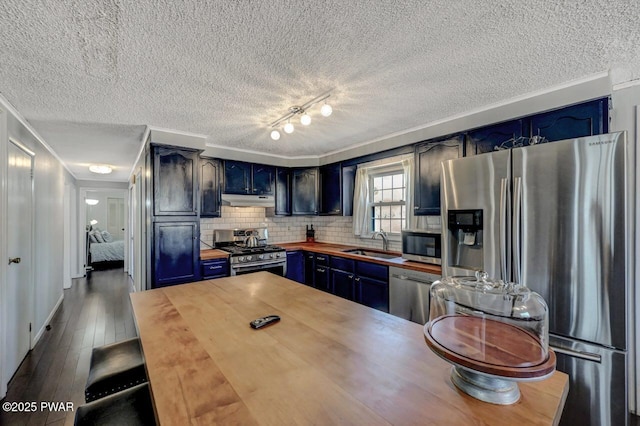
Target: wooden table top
328, 361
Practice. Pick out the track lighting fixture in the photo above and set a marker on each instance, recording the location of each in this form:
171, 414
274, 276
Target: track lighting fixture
305, 118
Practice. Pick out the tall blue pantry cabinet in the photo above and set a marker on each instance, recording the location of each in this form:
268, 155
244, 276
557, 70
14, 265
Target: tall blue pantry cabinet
173, 218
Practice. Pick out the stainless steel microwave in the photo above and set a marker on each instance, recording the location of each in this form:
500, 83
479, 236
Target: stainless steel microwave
421, 246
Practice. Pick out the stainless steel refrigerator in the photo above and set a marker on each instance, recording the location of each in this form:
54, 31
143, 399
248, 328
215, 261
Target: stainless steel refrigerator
557, 217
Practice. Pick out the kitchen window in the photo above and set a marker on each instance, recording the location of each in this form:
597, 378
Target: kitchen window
387, 206
382, 198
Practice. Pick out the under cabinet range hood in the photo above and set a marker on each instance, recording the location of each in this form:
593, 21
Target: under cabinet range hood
235, 200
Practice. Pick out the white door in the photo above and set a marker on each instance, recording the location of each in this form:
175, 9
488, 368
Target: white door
19, 249
115, 217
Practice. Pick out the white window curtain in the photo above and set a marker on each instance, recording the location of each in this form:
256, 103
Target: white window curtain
361, 225
407, 167
361, 213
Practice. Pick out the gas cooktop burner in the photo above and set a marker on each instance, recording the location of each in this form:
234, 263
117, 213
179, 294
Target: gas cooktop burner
240, 250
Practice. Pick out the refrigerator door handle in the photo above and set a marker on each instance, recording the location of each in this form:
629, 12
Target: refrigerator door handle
517, 219
578, 354
504, 240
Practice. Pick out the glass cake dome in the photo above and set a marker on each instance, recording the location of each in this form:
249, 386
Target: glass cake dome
494, 333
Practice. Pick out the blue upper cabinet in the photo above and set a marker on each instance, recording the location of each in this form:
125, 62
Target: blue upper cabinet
304, 191
348, 185
487, 139
247, 178
428, 159
237, 177
210, 187
587, 119
331, 189
175, 177
283, 191
263, 179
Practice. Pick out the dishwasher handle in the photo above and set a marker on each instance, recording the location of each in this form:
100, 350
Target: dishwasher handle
407, 278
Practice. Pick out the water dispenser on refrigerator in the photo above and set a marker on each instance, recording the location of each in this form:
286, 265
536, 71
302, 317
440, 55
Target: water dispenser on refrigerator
465, 239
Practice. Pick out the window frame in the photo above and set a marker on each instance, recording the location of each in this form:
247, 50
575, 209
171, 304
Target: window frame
387, 170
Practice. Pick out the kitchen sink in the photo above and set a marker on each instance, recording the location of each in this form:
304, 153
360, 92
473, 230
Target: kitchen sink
372, 253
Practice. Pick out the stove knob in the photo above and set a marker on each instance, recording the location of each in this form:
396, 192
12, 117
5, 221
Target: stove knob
271, 255
261, 256
281, 255
249, 258
241, 259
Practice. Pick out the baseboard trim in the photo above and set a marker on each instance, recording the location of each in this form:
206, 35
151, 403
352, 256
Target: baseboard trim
47, 321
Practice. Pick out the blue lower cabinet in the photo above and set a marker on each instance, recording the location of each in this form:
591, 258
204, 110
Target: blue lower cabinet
321, 273
214, 268
342, 283
342, 277
176, 252
321, 278
295, 266
372, 285
309, 268
372, 293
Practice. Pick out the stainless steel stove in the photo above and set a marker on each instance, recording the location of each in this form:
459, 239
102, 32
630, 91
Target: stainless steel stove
244, 259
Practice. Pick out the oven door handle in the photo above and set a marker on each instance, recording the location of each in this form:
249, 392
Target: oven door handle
250, 265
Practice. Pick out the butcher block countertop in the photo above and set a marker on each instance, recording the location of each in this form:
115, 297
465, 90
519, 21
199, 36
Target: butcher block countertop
338, 249
209, 254
328, 361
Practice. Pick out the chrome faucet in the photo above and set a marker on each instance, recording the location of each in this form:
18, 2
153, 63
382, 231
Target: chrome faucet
385, 240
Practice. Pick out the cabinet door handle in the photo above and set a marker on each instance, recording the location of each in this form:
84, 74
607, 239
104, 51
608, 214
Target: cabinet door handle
215, 267
357, 279
321, 258
350, 277
14, 260
416, 207
321, 270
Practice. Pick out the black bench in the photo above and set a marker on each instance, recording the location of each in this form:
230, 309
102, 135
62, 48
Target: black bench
129, 407
115, 367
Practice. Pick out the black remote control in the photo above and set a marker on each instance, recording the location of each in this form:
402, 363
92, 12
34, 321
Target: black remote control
264, 321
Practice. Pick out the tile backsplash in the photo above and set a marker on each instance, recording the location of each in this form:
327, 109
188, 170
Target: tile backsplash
287, 229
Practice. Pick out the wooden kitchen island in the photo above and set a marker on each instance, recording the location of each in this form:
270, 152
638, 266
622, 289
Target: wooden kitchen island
328, 361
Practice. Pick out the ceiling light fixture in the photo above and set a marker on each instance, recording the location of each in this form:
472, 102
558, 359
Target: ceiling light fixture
288, 128
326, 110
102, 169
91, 201
305, 118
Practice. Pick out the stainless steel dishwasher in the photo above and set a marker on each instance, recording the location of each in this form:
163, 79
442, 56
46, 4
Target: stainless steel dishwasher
409, 294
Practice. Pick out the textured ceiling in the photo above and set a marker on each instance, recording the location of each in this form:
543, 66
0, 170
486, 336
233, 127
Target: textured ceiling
88, 75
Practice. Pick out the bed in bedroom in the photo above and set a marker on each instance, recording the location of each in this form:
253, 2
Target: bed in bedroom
104, 251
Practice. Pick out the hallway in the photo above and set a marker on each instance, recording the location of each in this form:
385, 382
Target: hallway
94, 312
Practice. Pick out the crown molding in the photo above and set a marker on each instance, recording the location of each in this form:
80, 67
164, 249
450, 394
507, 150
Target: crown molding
11, 109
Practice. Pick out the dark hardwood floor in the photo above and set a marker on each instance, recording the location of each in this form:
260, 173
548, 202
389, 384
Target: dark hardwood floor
94, 312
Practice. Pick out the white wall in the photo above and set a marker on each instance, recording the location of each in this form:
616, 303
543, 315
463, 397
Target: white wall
48, 182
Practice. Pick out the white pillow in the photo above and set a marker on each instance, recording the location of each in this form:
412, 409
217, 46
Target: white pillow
107, 237
92, 238
98, 236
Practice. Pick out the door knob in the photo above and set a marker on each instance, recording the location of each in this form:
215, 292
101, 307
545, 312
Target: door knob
14, 260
